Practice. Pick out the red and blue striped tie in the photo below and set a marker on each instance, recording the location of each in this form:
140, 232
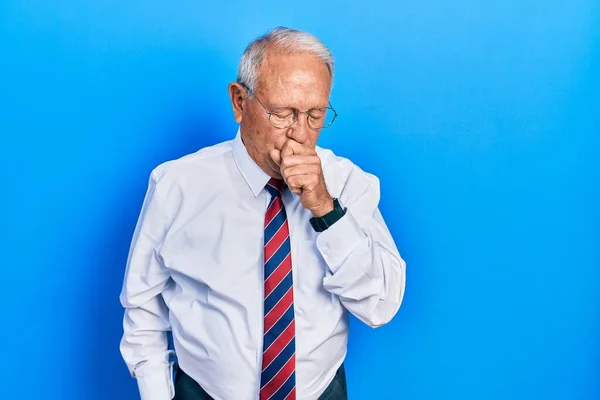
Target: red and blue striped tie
278, 377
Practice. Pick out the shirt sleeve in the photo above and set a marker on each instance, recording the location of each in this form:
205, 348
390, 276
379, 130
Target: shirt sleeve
144, 345
367, 272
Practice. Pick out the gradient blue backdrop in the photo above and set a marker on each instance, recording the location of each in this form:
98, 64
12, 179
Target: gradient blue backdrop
480, 117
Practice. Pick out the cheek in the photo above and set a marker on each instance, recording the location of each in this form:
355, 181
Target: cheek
276, 137
261, 132
312, 138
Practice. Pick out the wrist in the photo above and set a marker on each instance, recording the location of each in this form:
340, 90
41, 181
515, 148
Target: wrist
324, 209
323, 222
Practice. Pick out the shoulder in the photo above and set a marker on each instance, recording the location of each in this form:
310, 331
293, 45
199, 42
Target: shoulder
201, 164
342, 168
176, 183
342, 174
179, 181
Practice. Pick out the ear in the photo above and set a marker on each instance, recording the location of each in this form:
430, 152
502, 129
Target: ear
237, 94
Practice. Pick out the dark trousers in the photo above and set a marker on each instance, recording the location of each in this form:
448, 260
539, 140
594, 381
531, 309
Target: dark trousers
187, 389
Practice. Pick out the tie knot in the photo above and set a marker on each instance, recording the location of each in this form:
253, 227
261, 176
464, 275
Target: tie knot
275, 187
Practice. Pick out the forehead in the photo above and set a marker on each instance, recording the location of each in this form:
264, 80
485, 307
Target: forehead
299, 79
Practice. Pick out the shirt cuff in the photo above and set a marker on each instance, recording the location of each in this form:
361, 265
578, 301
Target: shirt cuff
155, 382
337, 242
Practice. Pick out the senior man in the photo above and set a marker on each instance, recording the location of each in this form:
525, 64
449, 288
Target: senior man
252, 252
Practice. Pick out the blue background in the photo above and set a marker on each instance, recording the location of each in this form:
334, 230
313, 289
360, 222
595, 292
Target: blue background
480, 117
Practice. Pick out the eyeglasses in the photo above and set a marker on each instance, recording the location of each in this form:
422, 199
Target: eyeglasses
284, 117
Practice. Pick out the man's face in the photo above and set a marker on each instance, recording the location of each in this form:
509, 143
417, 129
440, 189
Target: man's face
297, 80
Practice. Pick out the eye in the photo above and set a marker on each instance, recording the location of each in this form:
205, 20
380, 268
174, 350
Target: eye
317, 114
282, 112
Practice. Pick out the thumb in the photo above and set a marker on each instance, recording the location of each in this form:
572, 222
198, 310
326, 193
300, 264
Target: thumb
275, 156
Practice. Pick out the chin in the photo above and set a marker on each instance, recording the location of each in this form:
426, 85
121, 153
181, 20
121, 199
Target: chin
275, 173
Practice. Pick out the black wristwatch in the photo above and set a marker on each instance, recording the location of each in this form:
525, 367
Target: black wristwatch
319, 224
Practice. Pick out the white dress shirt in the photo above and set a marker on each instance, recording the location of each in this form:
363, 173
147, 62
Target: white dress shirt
195, 268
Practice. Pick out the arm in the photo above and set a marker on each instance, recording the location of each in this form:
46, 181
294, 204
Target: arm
144, 344
367, 272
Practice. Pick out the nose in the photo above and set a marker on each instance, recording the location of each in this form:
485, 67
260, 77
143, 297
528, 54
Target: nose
299, 131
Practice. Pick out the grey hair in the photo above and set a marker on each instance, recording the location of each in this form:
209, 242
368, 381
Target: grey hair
286, 40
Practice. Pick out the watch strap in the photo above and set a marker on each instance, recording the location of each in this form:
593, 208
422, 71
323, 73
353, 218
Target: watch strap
320, 224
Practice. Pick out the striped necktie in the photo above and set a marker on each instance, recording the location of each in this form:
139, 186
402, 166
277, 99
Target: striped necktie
278, 377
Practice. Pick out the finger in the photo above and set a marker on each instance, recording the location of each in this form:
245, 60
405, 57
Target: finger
280, 141
293, 189
301, 169
298, 183
294, 184
295, 159
275, 156
292, 147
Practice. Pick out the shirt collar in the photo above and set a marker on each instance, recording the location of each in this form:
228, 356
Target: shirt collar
255, 177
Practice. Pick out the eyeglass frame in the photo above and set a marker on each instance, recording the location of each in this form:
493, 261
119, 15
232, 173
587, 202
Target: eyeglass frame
294, 109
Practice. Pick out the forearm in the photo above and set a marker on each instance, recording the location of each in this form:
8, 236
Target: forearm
367, 272
144, 347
